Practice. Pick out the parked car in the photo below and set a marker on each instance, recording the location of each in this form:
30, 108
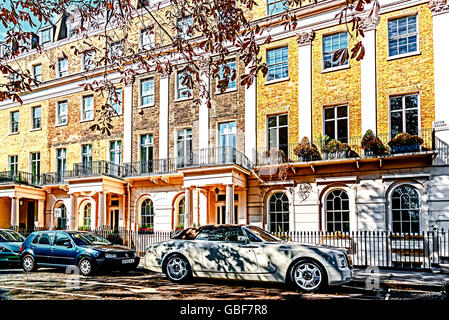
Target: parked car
248, 253
87, 250
10, 242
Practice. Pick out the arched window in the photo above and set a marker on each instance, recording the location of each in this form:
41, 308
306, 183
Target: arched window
278, 213
86, 215
337, 211
181, 213
61, 216
147, 213
405, 209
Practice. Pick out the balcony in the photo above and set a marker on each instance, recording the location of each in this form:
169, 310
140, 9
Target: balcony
20, 177
54, 178
216, 156
371, 146
152, 167
96, 168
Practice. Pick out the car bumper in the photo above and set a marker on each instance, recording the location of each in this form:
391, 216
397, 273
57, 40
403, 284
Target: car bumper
117, 264
341, 276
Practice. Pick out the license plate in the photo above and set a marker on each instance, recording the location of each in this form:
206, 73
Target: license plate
126, 261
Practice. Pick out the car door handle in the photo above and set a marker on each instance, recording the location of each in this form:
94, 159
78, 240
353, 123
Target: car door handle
52, 249
249, 246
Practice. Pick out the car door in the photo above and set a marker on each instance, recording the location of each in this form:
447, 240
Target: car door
42, 247
210, 245
240, 255
63, 250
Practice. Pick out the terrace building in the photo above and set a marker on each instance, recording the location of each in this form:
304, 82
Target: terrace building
170, 162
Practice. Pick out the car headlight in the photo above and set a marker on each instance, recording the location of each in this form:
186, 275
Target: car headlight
110, 255
341, 261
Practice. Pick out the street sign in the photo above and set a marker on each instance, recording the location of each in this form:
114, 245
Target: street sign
440, 125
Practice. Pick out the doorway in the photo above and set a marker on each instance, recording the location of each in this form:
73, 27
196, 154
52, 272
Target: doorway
221, 214
114, 216
30, 214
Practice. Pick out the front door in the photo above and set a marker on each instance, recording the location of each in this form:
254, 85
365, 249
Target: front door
114, 218
61, 252
221, 214
30, 214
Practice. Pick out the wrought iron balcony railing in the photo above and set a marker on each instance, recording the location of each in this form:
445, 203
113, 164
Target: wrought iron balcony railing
20, 177
292, 152
152, 167
96, 168
54, 177
214, 157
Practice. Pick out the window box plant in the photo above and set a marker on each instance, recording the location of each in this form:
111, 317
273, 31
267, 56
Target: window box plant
335, 149
372, 145
146, 229
306, 151
179, 227
84, 228
405, 142
274, 156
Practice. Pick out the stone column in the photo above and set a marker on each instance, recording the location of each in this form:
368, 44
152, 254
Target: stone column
250, 120
305, 40
203, 118
368, 75
93, 214
230, 204
15, 211
163, 115
73, 212
188, 205
41, 213
127, 122
440, 14
101, 210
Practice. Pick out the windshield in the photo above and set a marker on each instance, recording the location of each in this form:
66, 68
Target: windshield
10, 236
88, 239
261, 233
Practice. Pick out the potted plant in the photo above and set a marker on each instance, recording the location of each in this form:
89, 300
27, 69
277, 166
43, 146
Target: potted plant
274, 156
146, 229
179, 227
83, 228
306, 151
335, 149
372, 145
405, 142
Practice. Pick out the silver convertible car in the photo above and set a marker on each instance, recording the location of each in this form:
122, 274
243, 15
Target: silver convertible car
247, 253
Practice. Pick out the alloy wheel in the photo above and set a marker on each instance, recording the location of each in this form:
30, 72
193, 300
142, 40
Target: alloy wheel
177, 268
85, 267
307, 276
28, 263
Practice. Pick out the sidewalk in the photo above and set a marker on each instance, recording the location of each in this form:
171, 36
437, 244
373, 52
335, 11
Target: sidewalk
406, 279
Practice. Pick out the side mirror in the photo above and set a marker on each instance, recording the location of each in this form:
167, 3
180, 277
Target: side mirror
67, 244
241, 239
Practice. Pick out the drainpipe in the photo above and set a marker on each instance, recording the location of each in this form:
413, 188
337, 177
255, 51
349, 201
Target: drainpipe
129, 206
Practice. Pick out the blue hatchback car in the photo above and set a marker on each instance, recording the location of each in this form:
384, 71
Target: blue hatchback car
10, 242
89, 251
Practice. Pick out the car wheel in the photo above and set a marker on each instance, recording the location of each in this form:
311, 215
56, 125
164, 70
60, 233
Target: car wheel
177, 269
85, 266
28, 263
308, 276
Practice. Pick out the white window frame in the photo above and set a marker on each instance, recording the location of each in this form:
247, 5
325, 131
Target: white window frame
50, 35
277, 129
141, 96
273, 3
184, 88
335, 120
11, 122
84, 111
146, 145
63, 73
270, 196
37, 75
88, 66
417, 51
89, 153
150, 36
115, 151
184, 24
59, 116
32, 118
221, 71
15, 163
403, 109
113, 104
340, 66
279, 63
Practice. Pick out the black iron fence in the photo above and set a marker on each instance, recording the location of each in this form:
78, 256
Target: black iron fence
213, 157
366, 248
20, 177
97, 168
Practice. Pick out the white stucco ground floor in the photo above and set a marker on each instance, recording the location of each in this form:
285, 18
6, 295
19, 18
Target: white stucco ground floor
398, 195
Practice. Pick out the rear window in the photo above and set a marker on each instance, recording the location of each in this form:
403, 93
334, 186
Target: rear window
45, 239
36, 238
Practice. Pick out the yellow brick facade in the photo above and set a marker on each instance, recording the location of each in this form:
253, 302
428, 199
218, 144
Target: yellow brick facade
278, 97
412, 74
